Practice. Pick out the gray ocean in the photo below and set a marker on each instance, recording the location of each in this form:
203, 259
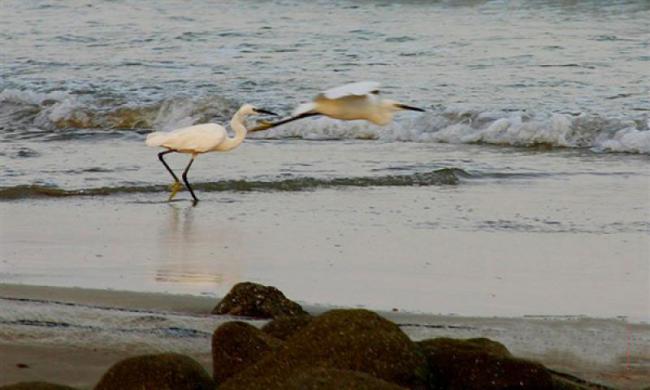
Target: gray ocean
523, 189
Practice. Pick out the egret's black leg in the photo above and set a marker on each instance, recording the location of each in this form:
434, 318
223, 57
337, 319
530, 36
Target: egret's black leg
162, 160
187, 183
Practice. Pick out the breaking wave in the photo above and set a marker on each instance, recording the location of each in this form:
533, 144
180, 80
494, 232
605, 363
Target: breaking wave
456, 125
445, 176
61, 116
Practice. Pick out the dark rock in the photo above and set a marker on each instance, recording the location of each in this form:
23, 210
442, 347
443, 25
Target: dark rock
564, 381
481, 344
560, 383
35, 386
285, 327
332, 379
167, 371
357, 340
255, 300
237, 345
480, 364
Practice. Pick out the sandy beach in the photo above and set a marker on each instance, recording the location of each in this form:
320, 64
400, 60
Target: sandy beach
71, 335
512, 203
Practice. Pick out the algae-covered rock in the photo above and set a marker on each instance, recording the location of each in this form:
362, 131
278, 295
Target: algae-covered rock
255, 300
480, 344
332, 379
167, 371
237, 345
357, 340
285, 327
479, 364
35, 386
564, 381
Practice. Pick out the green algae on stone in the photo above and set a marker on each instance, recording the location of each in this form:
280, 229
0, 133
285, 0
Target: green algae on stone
564, 381
167, 371
480, 344
357, 340
332, 379
36, 386
237, 345
255, 300
285, 327
479, 364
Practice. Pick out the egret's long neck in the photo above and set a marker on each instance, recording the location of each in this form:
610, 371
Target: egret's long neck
237, 124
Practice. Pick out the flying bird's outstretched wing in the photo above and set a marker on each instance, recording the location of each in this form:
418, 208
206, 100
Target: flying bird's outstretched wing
355, 89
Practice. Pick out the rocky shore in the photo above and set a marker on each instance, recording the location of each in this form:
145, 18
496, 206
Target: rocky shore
338, 349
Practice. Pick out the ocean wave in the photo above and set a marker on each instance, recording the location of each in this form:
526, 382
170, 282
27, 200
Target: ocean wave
33, 115
460, 126
62, 116
444, 176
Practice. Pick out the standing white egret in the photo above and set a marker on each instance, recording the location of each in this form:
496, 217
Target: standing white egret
198, 139
348, 102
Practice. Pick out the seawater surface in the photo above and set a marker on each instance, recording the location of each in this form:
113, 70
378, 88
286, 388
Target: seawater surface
523, 189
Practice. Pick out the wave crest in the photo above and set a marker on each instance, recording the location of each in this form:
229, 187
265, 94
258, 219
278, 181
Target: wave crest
28, 114
456, 125
59, 115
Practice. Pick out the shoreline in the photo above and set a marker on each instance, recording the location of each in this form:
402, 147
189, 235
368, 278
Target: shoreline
201, 304
60, 331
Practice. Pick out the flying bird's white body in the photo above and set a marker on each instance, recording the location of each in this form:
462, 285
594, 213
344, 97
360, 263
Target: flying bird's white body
351, 102
348, 102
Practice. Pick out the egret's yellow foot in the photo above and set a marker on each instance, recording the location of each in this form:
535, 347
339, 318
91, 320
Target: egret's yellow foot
175, 188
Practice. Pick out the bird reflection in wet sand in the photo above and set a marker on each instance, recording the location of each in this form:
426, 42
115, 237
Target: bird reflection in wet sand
182, 259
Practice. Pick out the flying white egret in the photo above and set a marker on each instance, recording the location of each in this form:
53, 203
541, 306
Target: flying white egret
348, 102
198, 139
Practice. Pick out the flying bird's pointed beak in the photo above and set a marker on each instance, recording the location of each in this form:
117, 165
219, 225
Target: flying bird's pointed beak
410, 108
260, 111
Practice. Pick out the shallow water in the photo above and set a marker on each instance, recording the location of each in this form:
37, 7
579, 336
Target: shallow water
557, 241
523, 189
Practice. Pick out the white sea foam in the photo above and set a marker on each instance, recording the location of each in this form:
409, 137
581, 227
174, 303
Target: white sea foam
489, 127
60, 110
454, 124
30, 97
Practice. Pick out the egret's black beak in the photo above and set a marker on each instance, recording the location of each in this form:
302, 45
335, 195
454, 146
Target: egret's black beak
260, 111
411, 108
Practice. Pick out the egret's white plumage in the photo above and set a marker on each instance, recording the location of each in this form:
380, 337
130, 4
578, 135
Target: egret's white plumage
193, 139
357, 89
203, 138
303, 109
347, 102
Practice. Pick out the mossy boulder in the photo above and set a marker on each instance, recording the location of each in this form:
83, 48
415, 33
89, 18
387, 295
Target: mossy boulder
564, 381
479, 364
167, 371
357, 340
285, 327
332, 379
237, 345
35, 386
480, 344
255, 300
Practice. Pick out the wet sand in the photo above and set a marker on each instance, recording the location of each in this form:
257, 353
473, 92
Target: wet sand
565, 283
71, 335
425, 249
